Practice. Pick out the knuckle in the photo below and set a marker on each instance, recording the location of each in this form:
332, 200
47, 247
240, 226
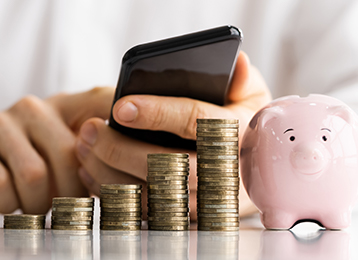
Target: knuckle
158, 117
29, 104
189, 128
112, 154
32, 173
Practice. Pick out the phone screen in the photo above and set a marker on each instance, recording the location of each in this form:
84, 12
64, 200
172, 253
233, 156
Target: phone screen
201, 73
197, 66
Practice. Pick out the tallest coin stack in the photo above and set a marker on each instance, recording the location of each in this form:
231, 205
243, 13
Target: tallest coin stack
218, 174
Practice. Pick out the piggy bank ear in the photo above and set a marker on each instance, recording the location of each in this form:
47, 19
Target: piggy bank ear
343, 112
264, 116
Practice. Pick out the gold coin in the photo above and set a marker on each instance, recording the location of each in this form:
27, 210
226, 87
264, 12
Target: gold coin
217, 143
217, 157
73, 218
218, 175
168, 228
72, 223
135, 209
218, 166
71, 200
169, 219
121, 201
218, 224
121, 186
121, 196
61, 227
217, 134
219, 184
215, 121
24, 217
215, 197
218, 215
217, 139
218, 206
160, 201
168, 160
71, 214
168, 191
165, 224
120, 223
218, 179
167, 205
113, 191
71, 204
27, 222
123, 219
219, 192
170, 155
168, 196
216, 126
24, 227
167, 173
201, 129
167, 169
218, 161
172, 210
168, 183
120, 205
217, 188
168, 214
218, 228
218, 210
218, 202
121, 214
166, 178
221, 149
71, 209
120, 228
218, 220
167, 187
162, 164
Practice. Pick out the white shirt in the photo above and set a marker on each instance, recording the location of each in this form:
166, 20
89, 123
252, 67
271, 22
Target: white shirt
300, 46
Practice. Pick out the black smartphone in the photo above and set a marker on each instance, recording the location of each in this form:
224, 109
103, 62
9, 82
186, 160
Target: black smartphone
197, 65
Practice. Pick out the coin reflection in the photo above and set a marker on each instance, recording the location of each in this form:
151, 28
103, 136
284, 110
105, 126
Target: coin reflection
24, 242
121, 245
321, 244
72, 244
172, 245
218, 245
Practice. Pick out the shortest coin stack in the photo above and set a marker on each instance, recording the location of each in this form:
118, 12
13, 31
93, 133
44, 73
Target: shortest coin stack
72, 213
24, 221
168, 192
121, 207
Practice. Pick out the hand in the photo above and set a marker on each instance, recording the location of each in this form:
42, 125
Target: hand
37, 155
108, 156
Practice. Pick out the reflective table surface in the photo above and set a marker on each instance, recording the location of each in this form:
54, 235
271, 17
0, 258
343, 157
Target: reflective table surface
304, 241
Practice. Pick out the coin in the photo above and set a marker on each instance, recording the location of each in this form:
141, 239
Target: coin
167, 169
167, 205
217, 206
113, 191
74, 218
168, 214
122, 186
218, 228
216, 134
72, 223
72, 209
167, 164
121, 223
72, 214
217, 157
166, 219
214, 188
172, 160
170, 155
24, 226
121, 196
235, 210
71, 200
200, 139
168, 228
71, 204
217, 220
216, 197
169, 183
122, 228
167, 178
121, 214
120, 209
167, 173
120, 205
159, 201
218, 215
167, 187
169, 196
64, 227
168, 191
120, 200
172, 223
171, 210
220, 192
215, 121
217, 175
113, 219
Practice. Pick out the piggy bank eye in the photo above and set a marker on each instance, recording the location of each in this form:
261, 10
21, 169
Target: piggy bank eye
324, 138
292, 138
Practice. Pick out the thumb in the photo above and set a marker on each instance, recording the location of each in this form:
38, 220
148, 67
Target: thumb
77, 108
171, 114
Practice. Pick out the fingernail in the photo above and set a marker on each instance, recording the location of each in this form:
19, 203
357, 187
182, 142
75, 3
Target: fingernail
85, 176
82, 149
127, 112
89, 133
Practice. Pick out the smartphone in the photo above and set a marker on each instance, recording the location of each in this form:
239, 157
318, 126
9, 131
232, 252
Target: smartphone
197, 65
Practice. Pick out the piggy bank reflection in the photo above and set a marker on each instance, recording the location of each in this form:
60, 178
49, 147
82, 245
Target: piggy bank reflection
299, 161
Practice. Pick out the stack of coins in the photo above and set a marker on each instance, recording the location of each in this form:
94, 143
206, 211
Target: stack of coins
24, 221
72, 213
121, 207
217, 170
168, 192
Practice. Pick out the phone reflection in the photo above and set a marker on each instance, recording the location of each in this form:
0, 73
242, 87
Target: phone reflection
322, 244
24, 243
173, 245
121, 245
72, 244
218, 245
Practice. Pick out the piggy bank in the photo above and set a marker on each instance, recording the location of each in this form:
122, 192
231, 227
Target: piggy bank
299, 161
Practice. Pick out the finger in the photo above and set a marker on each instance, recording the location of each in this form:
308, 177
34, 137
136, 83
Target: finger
28, 169
171, 114
77, 108
8, 197
54, 141
121, 152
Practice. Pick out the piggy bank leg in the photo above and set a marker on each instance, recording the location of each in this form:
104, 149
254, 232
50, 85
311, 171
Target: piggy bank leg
277, 219
336, 220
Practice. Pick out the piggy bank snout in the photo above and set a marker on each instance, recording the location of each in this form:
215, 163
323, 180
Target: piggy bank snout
308, 158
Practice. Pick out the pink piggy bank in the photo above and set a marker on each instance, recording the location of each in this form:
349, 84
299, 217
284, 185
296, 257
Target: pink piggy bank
299, 161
